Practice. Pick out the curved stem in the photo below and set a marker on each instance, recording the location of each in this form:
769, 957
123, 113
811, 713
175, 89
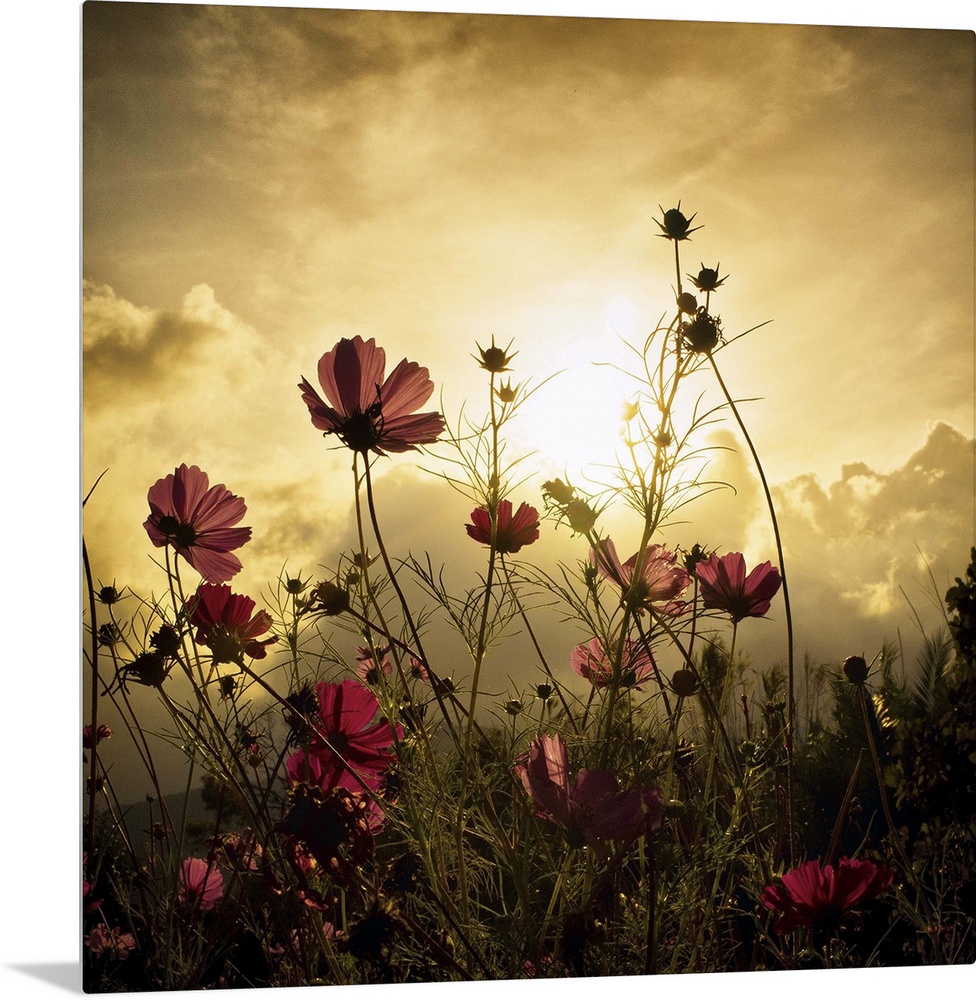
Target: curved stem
92, 783
790, 706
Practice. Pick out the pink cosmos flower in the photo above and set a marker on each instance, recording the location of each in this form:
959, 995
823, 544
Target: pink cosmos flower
417, 669
227, 625
367, 669
818, 895
366, 412
304, 767
90, 905
590, 807
661, 580
201, 884
353, 750
198, 520
725, 586
512, 532
590, 660
90, 739
110, 943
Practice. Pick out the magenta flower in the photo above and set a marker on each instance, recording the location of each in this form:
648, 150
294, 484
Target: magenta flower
111, 944
366, 412
512, 532
725, 586
198, 520
302, 767
590, 660
815, 895
591, 807
201, 884
354, 751
90, 739
660, 581
227, 625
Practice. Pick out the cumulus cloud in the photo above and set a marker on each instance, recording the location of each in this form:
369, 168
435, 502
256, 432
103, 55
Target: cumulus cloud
134, 354
866, 549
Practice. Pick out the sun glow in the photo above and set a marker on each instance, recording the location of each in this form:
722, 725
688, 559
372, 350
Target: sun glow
577, 421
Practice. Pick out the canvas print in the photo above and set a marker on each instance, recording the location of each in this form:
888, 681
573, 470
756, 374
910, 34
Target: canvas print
528, 497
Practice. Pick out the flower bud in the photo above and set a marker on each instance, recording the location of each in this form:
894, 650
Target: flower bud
856, 669
108, 634
675, 808
701, 334
108, 595
696, 555
165, 640
684, 682
687, 303
675, 225
581, 516
329, 599
494, 359
506, 393
558, 492
707, 279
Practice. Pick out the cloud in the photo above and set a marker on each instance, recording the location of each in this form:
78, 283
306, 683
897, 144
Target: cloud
868, 548
133, 355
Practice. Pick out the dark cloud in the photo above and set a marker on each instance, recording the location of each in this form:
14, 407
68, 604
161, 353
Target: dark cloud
129, 352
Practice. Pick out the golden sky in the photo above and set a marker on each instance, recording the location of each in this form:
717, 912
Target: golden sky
259, 182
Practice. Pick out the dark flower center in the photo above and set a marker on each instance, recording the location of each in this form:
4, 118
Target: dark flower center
362, 431
339, 742
701, 334
224, 645
182, 535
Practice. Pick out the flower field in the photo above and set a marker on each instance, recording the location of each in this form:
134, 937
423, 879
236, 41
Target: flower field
641, 808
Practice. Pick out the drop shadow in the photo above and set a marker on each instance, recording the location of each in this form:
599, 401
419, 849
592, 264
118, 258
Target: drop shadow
66, 975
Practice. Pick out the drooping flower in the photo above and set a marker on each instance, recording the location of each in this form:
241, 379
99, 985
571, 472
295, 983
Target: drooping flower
198, 520
354, 750
201, 884
725, 586
227, 625
302, 767
91, 738
591, 661
660, 582
367, 669
109, 943
418, 670
815, 895
591, 807
511, 532
368, 413
328, 599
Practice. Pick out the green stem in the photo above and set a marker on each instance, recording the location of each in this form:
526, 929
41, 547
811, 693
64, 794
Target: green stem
791, 707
